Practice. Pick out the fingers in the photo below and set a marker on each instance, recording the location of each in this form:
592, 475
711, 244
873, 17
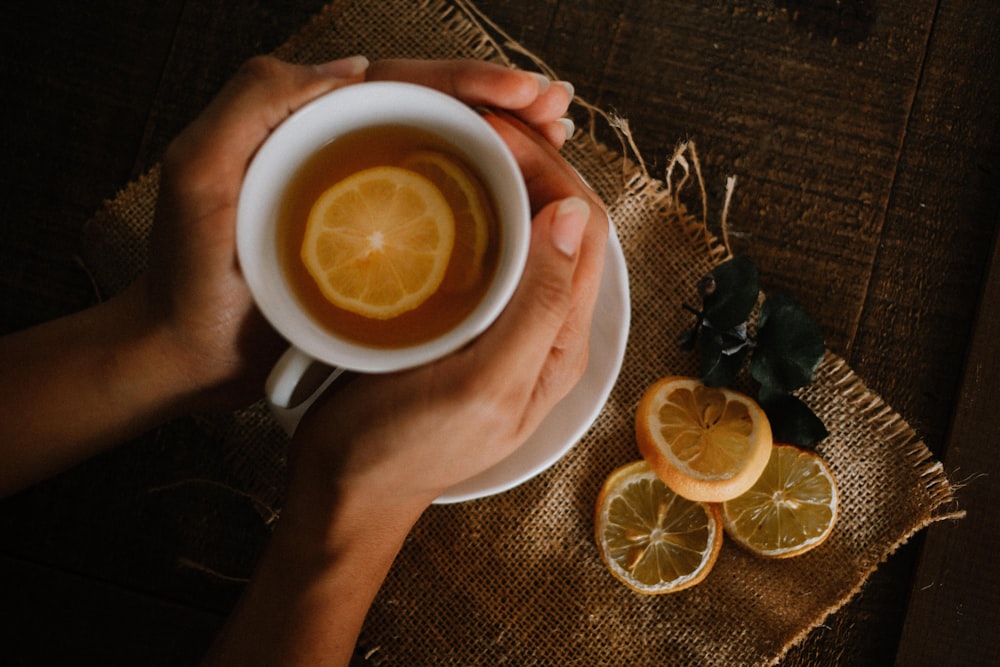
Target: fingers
550, 178
531, 324
534, 98
262, 94
474, 82
548, 113
546, 175
547, 325
265, 91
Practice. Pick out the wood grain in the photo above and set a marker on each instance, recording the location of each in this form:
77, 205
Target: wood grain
952, 614
938, 225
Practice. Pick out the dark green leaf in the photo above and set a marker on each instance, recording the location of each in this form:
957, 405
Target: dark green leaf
791, 420
789, 345
729, 292
719, 362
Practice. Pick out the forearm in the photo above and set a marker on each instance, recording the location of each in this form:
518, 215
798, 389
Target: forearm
319, 575
75, 386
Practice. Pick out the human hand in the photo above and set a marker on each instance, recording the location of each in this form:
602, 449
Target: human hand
396, 442
193, 291
367, 460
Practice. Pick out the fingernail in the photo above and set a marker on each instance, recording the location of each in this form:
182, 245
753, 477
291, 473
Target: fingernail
345, 67
569, 125
543, 81
568, 86
568, 224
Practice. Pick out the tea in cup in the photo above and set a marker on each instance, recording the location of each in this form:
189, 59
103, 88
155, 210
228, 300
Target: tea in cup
380, 227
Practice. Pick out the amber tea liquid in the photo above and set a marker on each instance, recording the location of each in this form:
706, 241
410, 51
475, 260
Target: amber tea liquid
387, 145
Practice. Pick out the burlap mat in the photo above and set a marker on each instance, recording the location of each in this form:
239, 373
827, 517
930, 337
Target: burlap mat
516, 578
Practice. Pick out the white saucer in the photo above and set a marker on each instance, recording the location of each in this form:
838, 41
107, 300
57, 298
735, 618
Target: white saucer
572, 416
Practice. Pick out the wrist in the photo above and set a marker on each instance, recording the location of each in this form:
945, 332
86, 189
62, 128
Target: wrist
340, 464
307, 601
144, 359
205, 361
329, 515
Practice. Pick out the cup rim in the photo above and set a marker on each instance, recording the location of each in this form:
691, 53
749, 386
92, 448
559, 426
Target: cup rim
322, 120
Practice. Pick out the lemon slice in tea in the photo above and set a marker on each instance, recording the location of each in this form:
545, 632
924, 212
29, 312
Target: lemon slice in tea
378, 242
473, 215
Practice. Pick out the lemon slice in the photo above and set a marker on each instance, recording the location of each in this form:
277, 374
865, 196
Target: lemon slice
378, 242
650, 538
708, 444
791, 509
473, 215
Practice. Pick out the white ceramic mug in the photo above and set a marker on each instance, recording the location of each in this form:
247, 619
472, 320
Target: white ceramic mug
296, 139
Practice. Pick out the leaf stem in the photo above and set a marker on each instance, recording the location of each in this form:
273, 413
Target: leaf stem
694, 311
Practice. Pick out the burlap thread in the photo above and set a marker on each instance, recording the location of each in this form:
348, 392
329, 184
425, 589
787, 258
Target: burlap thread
516, 578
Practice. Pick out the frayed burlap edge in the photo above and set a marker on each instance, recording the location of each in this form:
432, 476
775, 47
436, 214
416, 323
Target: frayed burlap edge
900, 436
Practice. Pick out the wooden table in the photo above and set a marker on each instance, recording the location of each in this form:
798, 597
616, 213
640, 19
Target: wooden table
864, 139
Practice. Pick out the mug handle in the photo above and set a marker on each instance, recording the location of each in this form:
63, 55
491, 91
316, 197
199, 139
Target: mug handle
297, 379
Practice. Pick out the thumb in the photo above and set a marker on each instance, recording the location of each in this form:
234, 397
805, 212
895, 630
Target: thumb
530, 325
